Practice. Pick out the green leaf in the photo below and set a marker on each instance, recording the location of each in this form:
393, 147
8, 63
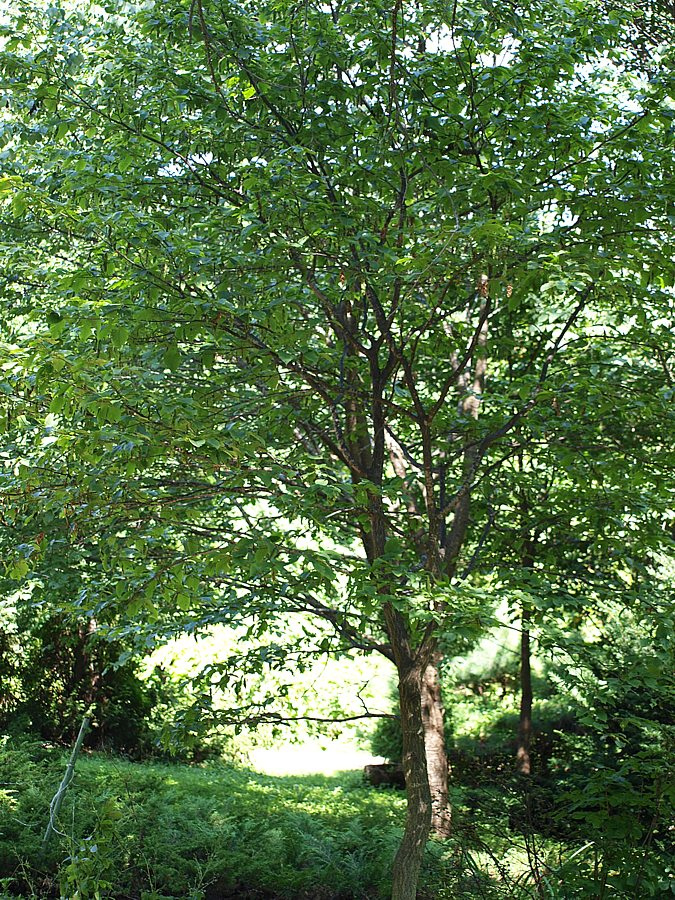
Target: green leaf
172, 358
19, 569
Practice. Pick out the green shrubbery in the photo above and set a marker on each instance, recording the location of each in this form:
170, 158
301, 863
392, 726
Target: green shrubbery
594, 818
169, 831
56, 666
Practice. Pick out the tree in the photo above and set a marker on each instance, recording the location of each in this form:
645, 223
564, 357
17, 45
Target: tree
580, 516
267, 265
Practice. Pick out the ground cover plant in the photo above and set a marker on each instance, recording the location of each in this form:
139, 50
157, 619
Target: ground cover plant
163, 831
168, 831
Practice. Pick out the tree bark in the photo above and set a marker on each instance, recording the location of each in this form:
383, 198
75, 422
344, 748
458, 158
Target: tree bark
436, 755
408, 860
525, 715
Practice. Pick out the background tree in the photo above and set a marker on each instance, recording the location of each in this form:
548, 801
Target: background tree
584, 507
265, 262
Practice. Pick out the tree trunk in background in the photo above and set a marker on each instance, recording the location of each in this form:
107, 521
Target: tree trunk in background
85, 674
525, 716
436, 755
408, 860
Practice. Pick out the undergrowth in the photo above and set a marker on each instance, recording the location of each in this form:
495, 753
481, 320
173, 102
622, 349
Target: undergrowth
157, 831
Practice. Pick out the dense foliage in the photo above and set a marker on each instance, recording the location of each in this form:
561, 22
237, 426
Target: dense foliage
350, 327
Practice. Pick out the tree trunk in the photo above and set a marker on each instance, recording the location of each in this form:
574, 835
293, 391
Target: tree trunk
436, 756
85, 677
408, 860
525, 716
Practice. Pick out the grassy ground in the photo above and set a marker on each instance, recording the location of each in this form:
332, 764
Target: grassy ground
151, 831
154, 831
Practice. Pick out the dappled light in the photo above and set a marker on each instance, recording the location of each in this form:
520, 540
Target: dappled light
337, 368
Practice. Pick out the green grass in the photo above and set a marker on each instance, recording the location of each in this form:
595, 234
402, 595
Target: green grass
157, 831
151, 831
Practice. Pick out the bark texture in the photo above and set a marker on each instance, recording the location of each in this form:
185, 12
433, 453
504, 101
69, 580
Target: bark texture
523, 759
436, 755
408, 860
525, 715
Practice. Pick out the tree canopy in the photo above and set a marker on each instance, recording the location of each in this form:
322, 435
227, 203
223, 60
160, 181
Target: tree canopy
329, 310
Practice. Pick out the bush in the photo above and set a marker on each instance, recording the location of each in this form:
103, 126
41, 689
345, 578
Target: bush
59, 669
